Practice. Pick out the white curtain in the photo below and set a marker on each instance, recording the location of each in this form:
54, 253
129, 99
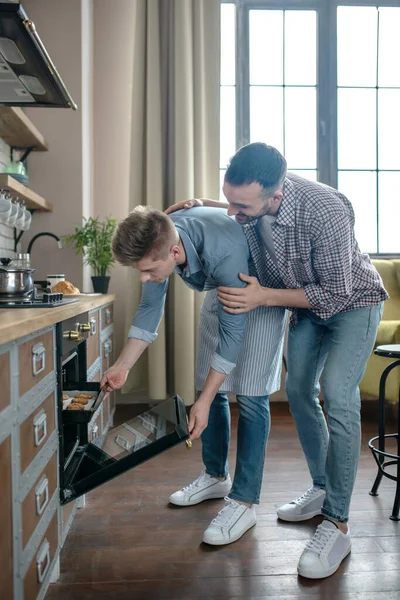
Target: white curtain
174, 156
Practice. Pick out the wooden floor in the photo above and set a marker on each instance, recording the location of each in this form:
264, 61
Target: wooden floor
129, 544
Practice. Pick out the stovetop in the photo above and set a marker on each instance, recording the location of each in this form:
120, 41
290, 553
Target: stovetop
47, 300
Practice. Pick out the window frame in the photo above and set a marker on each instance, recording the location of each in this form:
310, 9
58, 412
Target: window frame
327, 110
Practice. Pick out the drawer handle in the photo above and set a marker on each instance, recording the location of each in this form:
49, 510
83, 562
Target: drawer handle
38, 358
93, 326
43, 561
123, 443
95, 431
40, 427
108, 316
107, 348
42, 495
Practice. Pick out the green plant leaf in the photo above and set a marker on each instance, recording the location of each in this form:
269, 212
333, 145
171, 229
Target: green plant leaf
93, 241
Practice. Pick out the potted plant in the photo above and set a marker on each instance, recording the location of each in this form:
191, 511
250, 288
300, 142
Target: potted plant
93, 241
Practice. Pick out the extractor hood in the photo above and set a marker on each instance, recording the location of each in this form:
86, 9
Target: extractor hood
28, 76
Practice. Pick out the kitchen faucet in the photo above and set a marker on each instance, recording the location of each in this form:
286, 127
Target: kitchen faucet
53, 235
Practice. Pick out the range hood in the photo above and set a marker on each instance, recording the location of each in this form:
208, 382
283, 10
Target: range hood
28, 76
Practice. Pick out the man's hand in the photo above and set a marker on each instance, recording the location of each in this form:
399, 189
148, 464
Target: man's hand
183, 204
242, 300
114, 378
198, 418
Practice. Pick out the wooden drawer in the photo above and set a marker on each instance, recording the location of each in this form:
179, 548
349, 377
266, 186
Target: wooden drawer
5, 394
6, 533
93, 348
40, 564
107, 316
35, 361
36, 430
66, 512
38, 499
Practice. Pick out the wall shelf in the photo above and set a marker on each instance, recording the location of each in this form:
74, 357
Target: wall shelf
32, 200
18, 131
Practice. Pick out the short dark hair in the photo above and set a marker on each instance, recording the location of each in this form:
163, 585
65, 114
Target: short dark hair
145, 231
257, 163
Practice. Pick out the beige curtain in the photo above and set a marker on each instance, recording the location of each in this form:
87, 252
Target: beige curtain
174, 156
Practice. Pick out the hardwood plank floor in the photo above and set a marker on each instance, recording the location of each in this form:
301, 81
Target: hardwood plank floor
129, 544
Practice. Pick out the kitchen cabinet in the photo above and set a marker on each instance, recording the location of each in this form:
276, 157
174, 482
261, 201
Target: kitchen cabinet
93, 342
50, 457
6, 537
33, 523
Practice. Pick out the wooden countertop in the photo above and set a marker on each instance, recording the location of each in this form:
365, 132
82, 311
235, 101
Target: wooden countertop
17, 322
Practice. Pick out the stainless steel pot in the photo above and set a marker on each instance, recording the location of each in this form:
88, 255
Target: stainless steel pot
15, 281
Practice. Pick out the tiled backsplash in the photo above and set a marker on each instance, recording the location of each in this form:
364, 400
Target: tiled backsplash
6, 233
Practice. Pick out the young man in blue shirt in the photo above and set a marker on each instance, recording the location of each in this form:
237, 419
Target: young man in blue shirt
208, 249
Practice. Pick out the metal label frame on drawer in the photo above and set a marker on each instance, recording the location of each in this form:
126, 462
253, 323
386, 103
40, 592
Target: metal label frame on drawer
21, 408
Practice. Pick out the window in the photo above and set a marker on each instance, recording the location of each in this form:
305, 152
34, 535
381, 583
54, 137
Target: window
327, 97
228, 87
284, 86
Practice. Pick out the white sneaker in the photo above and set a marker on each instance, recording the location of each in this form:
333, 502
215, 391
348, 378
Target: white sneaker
324, 553
230, 523
305, 507
204, 487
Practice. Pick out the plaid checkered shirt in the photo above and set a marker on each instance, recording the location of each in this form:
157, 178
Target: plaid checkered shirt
316, 250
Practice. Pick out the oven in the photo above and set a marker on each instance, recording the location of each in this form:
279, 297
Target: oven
89, 458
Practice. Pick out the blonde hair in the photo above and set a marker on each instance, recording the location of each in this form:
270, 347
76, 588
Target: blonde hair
145, 231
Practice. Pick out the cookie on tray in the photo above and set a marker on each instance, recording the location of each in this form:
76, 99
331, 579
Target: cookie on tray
82, 395
80, 400
65, 397
75, 406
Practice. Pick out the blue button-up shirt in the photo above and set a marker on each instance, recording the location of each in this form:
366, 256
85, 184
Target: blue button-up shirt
216, 252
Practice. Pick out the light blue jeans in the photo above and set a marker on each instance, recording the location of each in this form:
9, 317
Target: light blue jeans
252, 437
335, 350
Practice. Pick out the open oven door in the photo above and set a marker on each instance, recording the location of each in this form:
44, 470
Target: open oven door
124, 447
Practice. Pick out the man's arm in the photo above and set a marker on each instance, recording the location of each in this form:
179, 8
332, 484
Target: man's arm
331, 261
237, 301
231, 330
142, 332
196, 202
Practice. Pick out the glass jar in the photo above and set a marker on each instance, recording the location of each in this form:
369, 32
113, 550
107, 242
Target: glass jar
22, 261
54, 279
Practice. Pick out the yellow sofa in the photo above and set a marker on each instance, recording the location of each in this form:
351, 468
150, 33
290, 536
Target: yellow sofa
388, 333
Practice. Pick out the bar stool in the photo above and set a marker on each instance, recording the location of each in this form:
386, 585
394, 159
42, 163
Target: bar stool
379, 454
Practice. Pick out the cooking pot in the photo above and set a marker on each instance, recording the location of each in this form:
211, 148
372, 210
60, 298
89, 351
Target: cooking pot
15, 281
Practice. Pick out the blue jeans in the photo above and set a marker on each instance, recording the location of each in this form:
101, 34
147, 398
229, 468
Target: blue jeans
335, 350
252, 437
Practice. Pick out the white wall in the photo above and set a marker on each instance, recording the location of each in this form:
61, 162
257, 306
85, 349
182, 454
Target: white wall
113, 72
6, 233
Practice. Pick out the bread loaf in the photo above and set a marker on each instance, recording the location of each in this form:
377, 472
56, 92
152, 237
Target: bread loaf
65, 287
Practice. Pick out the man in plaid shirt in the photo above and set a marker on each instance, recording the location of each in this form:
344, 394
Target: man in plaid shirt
301, 237
302, 242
